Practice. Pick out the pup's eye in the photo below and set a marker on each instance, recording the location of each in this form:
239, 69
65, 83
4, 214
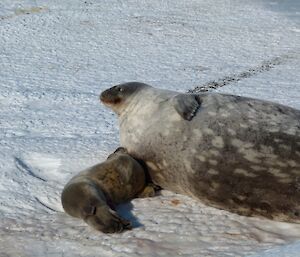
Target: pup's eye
120, 89
94, 210
89, 210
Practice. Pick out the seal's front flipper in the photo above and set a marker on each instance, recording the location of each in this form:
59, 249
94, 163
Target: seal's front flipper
186, 105
149, 191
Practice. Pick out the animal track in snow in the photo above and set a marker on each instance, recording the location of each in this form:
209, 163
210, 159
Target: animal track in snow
41, 166
23, 167
50, 204
263, 67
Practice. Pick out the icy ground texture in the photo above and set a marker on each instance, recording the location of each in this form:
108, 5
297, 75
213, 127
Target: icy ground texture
55, 58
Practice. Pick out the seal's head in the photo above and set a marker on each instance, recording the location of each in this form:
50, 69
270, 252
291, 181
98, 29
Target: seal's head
84, 200
117, 97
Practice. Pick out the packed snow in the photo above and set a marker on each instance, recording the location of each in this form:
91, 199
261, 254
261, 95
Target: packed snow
57, 56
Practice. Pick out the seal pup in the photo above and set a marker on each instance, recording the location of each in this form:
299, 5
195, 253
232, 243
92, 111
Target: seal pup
231, 152
92, 194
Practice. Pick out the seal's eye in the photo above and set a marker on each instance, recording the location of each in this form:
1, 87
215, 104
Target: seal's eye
89, 211
94, 210
120, 89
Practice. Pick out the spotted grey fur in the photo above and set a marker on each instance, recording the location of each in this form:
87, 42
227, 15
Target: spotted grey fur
231, 152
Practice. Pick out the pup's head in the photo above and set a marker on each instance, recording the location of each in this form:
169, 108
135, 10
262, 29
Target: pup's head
84, 200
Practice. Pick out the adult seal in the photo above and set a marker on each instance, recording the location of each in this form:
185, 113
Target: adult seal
92, 194
231, 152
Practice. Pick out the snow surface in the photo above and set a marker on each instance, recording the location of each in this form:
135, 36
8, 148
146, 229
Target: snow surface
55, 58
